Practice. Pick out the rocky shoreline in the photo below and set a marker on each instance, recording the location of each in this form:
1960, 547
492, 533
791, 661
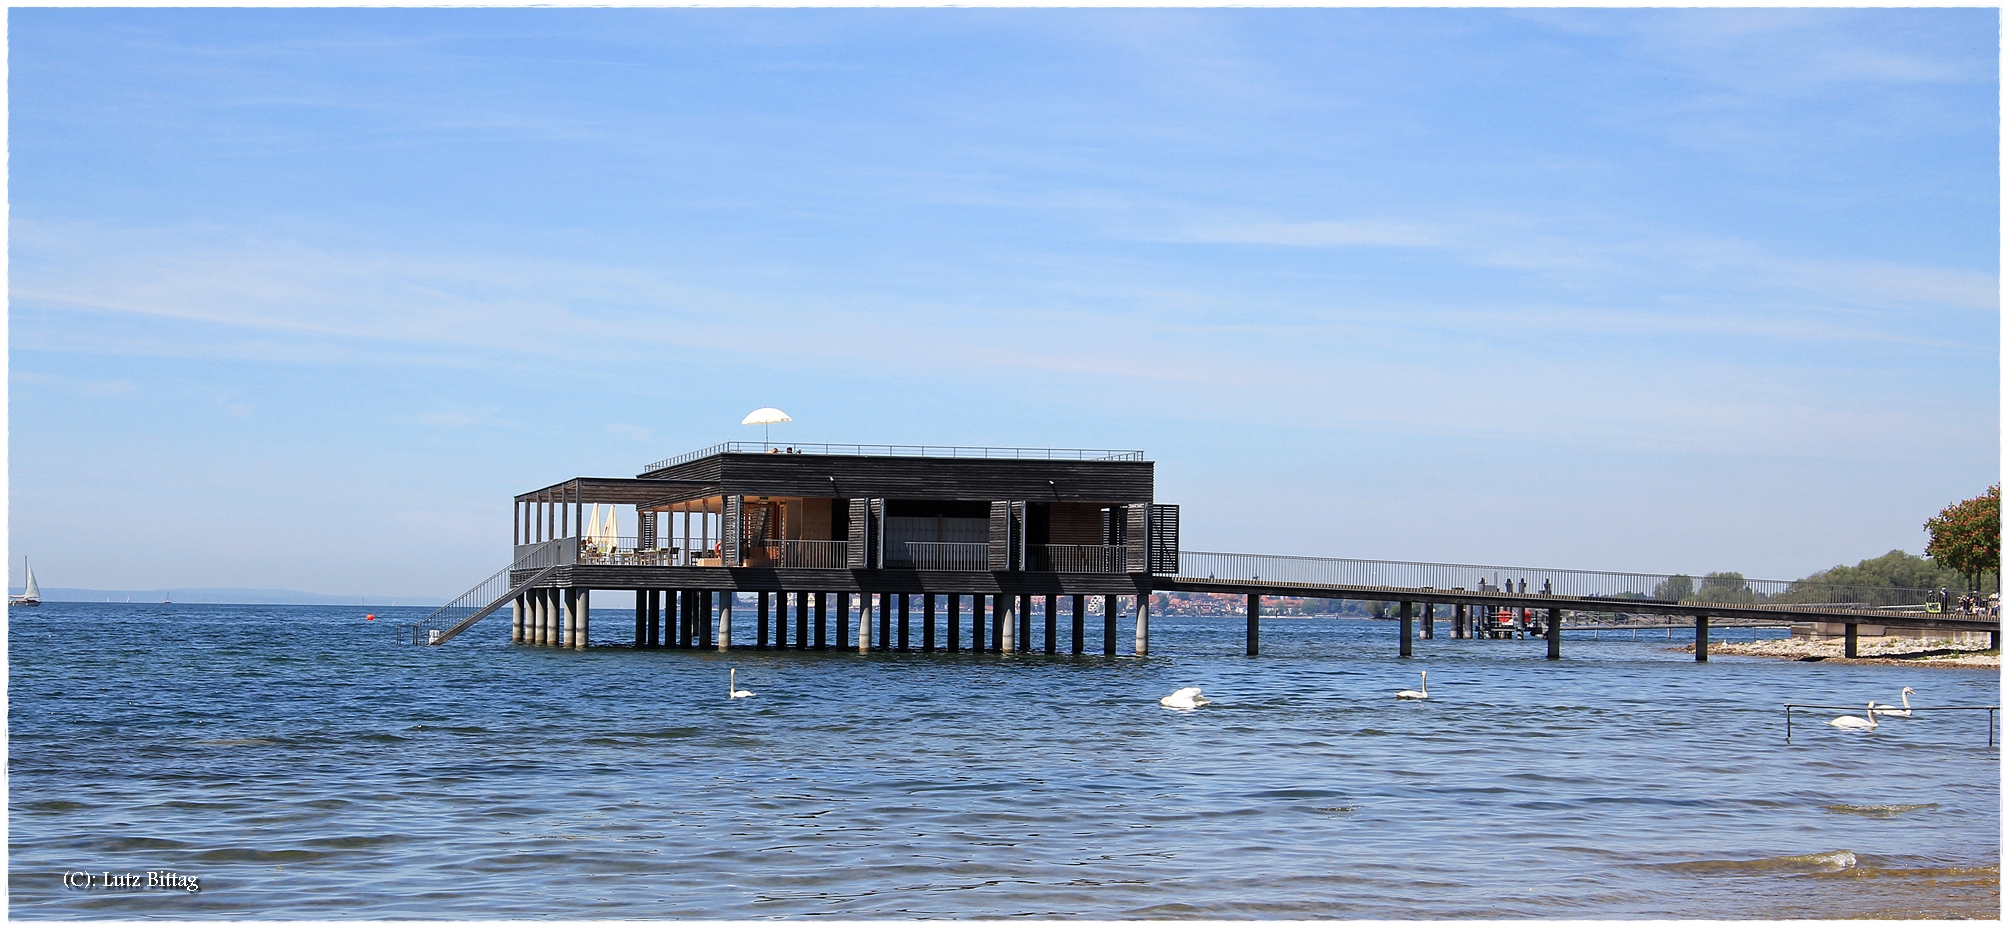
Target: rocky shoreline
1909, 652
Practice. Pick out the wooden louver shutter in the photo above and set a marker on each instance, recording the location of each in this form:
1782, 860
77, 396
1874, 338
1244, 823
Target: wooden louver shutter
856, 550
1136, 538
1000, 535
729, 531
1164, 539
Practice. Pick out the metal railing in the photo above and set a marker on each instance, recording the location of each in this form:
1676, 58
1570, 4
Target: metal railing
1083, 559
937, 555
782, 552
627, 551
1638, 591
485, 597
918, 451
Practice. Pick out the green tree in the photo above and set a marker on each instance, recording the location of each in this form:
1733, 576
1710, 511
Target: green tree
1875, 581
1966, 536
1674, 589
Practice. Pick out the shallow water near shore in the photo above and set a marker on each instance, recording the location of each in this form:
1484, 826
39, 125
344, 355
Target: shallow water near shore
300, 763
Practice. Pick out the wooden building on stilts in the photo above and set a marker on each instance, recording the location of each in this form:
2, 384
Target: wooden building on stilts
866, 547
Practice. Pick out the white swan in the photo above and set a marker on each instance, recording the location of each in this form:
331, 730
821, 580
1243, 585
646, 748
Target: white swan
1416, 694
1856, 722
1893, 712
1187, 698
732, 686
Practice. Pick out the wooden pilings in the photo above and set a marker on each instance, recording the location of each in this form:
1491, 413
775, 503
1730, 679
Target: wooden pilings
1109, 625
1701, 639
1254, 624
1080, 621
1851, 640
1407, 629
1554, 634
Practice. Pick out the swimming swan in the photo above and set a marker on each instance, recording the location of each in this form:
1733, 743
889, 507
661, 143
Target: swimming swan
732, 686
1187, 698
1856, 722
1416, 694
1892, 711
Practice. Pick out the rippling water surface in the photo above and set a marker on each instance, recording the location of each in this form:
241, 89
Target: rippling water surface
301, 764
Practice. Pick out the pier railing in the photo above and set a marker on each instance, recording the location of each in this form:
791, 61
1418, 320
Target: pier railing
1627, 592
826, 555
912, 451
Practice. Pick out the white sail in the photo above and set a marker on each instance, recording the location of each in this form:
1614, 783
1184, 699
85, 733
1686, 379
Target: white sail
33, 592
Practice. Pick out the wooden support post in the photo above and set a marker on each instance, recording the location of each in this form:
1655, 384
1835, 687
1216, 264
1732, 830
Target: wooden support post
516, 611
1007, 621
1109, 625
927, 623
1851, 640
1080, 622
864, 623
1025, 621
641, 618
1462, 623
1407, 629
976, 613
760, 641
1254, 624
1701, 639
885, 621
687, 631
1429, 621
999, 611
658, 600
725, 601
704, 618
954, 622
843, 621
781, 619
1143, 624
1052, 625
672, 613
584, 634
802, 620
1554, 634
822, 621
905, 608
1994, 641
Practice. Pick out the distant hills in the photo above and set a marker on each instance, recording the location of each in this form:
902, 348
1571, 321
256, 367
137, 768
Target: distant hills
230, 595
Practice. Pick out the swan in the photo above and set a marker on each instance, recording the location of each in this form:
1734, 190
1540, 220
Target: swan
1859, 724
1416, 694
732, 686
1187, 698
1892, 711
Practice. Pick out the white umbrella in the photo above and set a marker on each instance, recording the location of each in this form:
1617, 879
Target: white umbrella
613, 530
764, 417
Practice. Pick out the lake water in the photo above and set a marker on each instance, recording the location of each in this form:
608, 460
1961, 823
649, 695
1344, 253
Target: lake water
300, 763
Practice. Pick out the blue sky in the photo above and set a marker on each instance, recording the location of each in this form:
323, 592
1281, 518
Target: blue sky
301, 298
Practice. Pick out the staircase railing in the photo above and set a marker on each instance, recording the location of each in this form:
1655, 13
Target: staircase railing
490, 594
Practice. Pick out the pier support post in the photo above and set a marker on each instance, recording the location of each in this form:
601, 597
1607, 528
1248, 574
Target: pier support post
781, 620
1254, 624
802, 620
1007, 621
954, 622
1109, 625
1143, 624
1024, 614
1407, 629
1701, 639
725, 619
656, 601
1554, 634
998, 613
885, 621
706, 637
664, 635
541, 636
760, 641
584, 633
864, 623
1080, 622
516, 621
641, 618
905, 608
843, 618
927, 623
976, 613
1851, 641
822, 621
1052, 624
1429, 621
570, 630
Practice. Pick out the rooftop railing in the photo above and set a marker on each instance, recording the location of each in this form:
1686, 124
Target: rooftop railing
908, 451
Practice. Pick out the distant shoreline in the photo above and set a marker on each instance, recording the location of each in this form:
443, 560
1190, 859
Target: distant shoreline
230, 596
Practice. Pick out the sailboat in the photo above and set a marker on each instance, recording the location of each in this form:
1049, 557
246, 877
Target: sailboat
32, 596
